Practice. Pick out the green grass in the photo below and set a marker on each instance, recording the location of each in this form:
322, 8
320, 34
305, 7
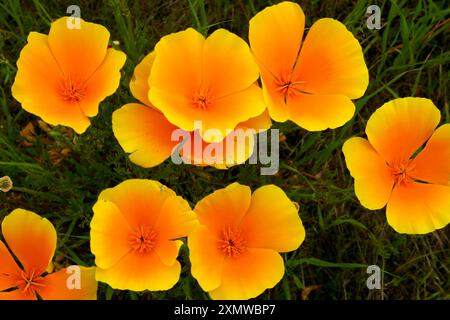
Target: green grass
409, 56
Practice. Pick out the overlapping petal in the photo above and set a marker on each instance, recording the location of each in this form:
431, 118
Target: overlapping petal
55, 285
400, 127
373, 179
311, 83
139, 220
419, 208
209, 80
234, 253
248, 275
64, 76
31, 238
272, 221
432, 164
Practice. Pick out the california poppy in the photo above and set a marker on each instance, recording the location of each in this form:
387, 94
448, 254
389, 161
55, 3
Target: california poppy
133, 235
310, 82
64, 76
144, 131
32, 241
210, 80
392, 167
234, 252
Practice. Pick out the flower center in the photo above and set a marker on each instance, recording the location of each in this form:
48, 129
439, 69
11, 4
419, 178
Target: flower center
231, 243
200, 100
142, 240
401, 172
28, 282
72, 90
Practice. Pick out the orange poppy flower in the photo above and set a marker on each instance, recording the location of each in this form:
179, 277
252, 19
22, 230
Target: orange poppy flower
234, 252
133, 234
210, 80
144, 131
310, 82
32, 240
392, 168
64, 76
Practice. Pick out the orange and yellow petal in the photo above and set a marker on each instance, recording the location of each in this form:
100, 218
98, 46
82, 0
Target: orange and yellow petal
275, 36
234, 149
401, 126
139, 200
145, 133
176, 219
272, 221
140, 272
319, 112
18, 295
206, 258
258, 123
177, 66
60, 286
167, 251
109, 234
432, 164
418, 208
373, 179
103, 82
231, 110
139, 84
31, 238
224, 208
228, 65
78, 51
249, 275
39, 79
9, 269
331, 61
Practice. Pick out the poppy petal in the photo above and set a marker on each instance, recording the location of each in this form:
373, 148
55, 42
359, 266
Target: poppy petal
272, 221
206, 258
258, 123
139, 200
319, 112
109, 234
167, 251
173, 74
17, 295
249, 274
78, 51
8, 269
234, 149
139, 84
409, 120
230, 54
418, 208
232, 109
331, 61
103, 83
224, 208
37, 82
31, 238
275, 35
145, 133
56, 285
373, 179
432, 164
140, 272
176, 219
